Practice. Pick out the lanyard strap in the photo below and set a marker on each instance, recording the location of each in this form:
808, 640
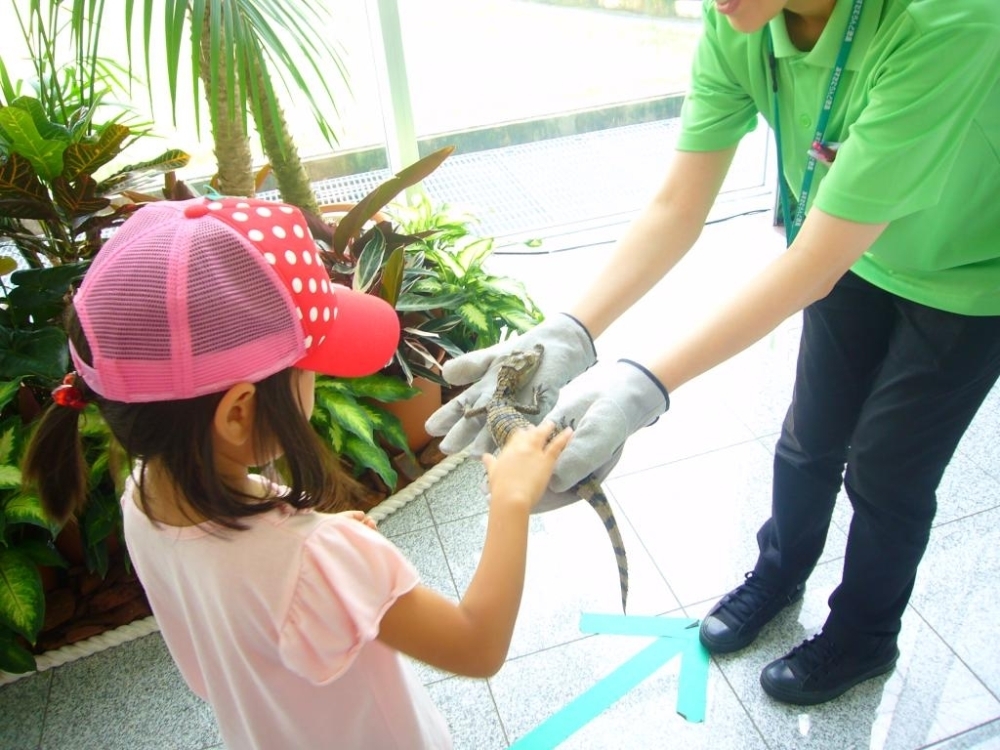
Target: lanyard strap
794, 223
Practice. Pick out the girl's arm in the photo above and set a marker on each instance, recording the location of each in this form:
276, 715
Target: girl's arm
471, 638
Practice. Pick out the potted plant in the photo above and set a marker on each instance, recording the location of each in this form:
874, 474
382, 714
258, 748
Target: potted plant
55, 212
425, 262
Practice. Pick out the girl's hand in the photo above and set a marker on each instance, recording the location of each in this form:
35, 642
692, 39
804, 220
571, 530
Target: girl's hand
521, 472
358, 515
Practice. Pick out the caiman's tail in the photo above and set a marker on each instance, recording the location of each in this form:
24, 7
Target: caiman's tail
591, 492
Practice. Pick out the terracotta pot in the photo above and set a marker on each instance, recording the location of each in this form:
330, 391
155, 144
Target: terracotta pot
414, 412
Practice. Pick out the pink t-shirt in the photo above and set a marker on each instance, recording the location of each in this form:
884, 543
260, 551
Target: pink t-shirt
276, 628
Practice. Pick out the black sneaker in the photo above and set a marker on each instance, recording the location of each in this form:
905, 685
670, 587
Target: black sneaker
738, 617
818, 670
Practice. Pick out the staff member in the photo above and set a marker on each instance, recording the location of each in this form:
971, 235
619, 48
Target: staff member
887, 117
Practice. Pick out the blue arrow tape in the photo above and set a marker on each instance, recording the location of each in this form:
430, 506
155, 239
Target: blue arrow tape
663, 627
692, 685
585, 707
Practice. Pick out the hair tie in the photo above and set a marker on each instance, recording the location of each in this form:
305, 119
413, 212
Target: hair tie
69, 393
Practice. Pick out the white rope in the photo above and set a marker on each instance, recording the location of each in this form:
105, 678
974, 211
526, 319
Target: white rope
147, 625
430, 477
97, 643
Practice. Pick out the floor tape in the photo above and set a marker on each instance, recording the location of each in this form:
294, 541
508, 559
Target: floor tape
673, 636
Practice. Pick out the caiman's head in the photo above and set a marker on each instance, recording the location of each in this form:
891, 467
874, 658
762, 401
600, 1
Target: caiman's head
524, 363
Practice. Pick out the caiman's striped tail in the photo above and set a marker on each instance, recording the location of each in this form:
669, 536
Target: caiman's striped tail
590, 490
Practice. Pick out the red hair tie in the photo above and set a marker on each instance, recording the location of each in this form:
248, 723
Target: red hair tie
69, 393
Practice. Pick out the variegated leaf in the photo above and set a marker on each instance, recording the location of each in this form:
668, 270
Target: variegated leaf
86, 158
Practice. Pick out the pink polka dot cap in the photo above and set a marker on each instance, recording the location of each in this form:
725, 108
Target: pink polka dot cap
191, 297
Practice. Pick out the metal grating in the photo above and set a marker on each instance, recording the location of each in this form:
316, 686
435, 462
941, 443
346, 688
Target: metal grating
534, 187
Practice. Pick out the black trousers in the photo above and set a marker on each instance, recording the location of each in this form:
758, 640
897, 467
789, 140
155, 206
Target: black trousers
884, 388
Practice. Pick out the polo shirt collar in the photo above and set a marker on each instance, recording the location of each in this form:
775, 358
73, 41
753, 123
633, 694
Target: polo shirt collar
824, 54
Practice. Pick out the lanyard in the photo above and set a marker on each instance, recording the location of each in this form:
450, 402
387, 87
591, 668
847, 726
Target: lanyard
794, 223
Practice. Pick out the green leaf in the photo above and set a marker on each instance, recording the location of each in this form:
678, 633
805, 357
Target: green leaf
27, 508
14, 658
7, 264
22, 194
96, 558
448, 263
41, 553
8, 391
349, 414
46, 156
86, 158
42, 353
22, 602
127, 177
474, 317
6, 445
475, 253
392, 276
78, 198
40, 293
389, 427
378, 387
370, 456
370, 262
10, 476
101, 519
50, 131
376, 200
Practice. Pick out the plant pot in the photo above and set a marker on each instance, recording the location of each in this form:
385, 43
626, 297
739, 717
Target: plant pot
414, 412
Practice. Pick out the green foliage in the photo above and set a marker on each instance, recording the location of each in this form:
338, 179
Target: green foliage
52, 209
349, 417
54, 214
462, 301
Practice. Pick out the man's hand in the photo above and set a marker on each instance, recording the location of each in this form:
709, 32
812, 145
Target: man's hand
604, 406
569, 351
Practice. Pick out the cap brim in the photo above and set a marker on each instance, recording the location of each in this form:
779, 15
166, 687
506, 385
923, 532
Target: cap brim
361, 339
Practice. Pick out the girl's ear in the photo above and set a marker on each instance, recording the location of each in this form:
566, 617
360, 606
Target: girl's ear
234, 416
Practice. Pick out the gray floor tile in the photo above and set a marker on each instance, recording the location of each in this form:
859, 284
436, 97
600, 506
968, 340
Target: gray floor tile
930, 696
956, 591
692, 426
413, 516
472, 716
980, 440
460, 494
698, 518
533, 688
571, 569
986, 737
130, 697
22, 711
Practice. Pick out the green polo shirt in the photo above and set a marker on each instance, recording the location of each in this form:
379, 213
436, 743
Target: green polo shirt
917, 115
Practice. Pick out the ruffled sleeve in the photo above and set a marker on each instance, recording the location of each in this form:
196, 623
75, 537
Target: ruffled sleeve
349, 576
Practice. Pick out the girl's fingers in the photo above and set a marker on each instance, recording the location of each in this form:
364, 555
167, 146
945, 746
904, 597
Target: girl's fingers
560, 441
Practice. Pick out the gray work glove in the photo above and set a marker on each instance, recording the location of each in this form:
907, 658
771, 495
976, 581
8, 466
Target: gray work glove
604, 406
569, 350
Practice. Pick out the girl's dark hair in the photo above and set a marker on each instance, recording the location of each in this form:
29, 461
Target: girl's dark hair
177, 434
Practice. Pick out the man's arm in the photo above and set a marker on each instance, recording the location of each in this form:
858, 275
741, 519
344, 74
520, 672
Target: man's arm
657, 239
823, 251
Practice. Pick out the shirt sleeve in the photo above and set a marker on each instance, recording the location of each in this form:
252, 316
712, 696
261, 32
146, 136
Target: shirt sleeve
718, 109
929, 88
350, 575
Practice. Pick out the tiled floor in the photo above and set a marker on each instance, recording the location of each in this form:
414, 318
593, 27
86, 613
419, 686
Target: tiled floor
689, 492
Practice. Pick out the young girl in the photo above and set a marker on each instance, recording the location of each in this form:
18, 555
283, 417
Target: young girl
198, 331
